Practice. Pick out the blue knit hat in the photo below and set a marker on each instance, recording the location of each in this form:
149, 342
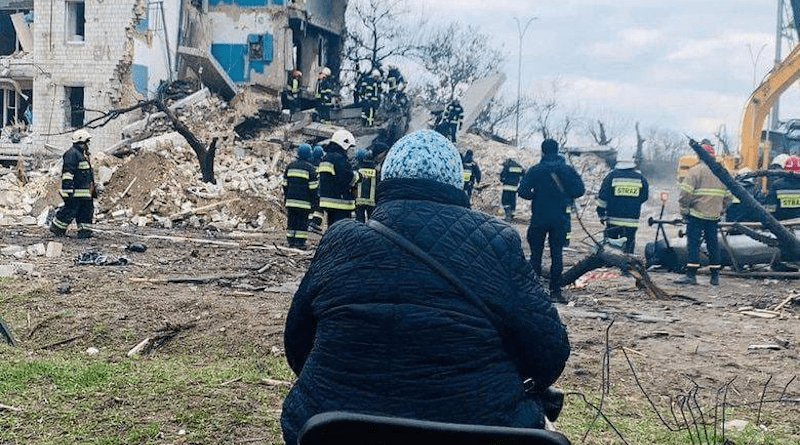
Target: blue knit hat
304, 152
424, 154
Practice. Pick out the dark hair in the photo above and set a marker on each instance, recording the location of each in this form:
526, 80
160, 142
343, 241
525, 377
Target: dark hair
549, 146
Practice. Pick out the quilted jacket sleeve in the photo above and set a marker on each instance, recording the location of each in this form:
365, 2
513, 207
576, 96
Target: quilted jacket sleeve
534, 334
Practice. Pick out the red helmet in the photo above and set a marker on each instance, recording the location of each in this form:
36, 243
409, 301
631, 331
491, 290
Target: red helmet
792, 164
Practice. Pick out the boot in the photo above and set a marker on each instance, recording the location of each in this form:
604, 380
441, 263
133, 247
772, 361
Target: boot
57, 231
690, 278
714, 277
83, 234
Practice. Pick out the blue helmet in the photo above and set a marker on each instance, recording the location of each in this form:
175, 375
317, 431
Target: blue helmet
318, 153
361, 154
304, 152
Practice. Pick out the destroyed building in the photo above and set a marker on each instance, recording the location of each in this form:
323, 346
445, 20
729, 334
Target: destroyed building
66, 62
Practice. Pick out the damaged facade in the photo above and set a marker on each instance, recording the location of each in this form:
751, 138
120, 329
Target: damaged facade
65, 62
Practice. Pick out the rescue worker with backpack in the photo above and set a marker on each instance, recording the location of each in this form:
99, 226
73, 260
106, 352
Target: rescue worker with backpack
299, 187
337, 178
510, 176
371, 98
77, 188
293, 92
454, 118
367, 185
551, 186
619, 202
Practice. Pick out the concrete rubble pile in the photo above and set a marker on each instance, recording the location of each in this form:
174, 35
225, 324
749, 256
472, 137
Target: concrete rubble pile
490, 156
159, 184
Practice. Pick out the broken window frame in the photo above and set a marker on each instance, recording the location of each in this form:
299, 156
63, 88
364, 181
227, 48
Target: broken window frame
17, 43
10, 111
75, 31
75, 116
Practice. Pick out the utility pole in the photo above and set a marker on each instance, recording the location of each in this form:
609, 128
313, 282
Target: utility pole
778, 41
521, 32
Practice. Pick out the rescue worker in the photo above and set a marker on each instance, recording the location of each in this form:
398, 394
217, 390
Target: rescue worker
316, 211
371, 99
619, 202
551, 186
703, 199
77, 188
299, 187
784, 196
361, 83
454, 118
738, 212
324, 96
337, 178
472, 174
510, 176
395, 86
293, 92
367, 185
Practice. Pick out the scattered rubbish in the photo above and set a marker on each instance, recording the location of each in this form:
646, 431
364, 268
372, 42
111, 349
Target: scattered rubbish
99, 259
92, 351
136, 350
771, 346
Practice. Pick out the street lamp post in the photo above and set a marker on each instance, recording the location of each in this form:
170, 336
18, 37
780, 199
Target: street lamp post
521, 32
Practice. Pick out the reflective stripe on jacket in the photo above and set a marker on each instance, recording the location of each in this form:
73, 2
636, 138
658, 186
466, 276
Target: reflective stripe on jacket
703, 195
77, 178
300, 184
621, 197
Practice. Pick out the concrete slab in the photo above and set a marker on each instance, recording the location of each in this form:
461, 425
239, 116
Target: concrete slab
210, 71
478, 96
24, 33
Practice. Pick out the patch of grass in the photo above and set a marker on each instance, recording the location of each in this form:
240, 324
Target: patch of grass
70, 397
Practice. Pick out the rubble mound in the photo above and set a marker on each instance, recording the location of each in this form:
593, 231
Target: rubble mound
490, 155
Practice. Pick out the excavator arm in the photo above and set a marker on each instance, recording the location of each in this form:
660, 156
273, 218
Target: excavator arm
764, 97
760, 103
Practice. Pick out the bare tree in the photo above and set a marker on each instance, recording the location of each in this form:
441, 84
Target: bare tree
499, 113
599, 135
664, 145
376, 32
456, 56
550, 120
639, 156
724, 140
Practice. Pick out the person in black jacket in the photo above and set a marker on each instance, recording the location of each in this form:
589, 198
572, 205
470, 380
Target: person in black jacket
324, 96
373, 329
472, 174
371, 98
738, 212
619, 202
77, 188
299, 187
551, 185
454, 117
784, 194
510, 176
337, 178
367, 185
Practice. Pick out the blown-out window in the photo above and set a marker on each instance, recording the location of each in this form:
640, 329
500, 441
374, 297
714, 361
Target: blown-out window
76, 21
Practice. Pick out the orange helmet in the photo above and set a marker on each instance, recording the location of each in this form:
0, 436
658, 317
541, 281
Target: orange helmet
792, 164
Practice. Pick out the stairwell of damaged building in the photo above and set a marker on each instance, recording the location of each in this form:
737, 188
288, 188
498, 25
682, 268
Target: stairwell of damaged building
63, 62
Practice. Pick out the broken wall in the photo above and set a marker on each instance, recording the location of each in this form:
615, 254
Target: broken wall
155, 44
87, 62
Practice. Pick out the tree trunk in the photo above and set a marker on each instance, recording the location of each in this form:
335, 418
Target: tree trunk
789, 245
205, 156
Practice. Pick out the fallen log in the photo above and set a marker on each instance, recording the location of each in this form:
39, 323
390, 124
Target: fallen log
197, 280
185, 213
627, 263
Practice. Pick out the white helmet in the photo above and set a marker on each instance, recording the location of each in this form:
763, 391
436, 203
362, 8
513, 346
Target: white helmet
780, 159
344, 139
625, 164
81, 136
326, 71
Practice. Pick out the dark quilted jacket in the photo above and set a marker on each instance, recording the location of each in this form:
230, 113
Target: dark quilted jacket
374, 330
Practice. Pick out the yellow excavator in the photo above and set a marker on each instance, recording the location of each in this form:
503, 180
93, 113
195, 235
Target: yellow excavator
756, 145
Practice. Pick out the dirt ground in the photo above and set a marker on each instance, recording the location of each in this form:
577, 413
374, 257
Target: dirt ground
240, 312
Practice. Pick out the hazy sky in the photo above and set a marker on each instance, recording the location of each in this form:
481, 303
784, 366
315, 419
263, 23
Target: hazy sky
679, 64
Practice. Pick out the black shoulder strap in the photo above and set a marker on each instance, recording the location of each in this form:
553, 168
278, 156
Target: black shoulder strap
437, 267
